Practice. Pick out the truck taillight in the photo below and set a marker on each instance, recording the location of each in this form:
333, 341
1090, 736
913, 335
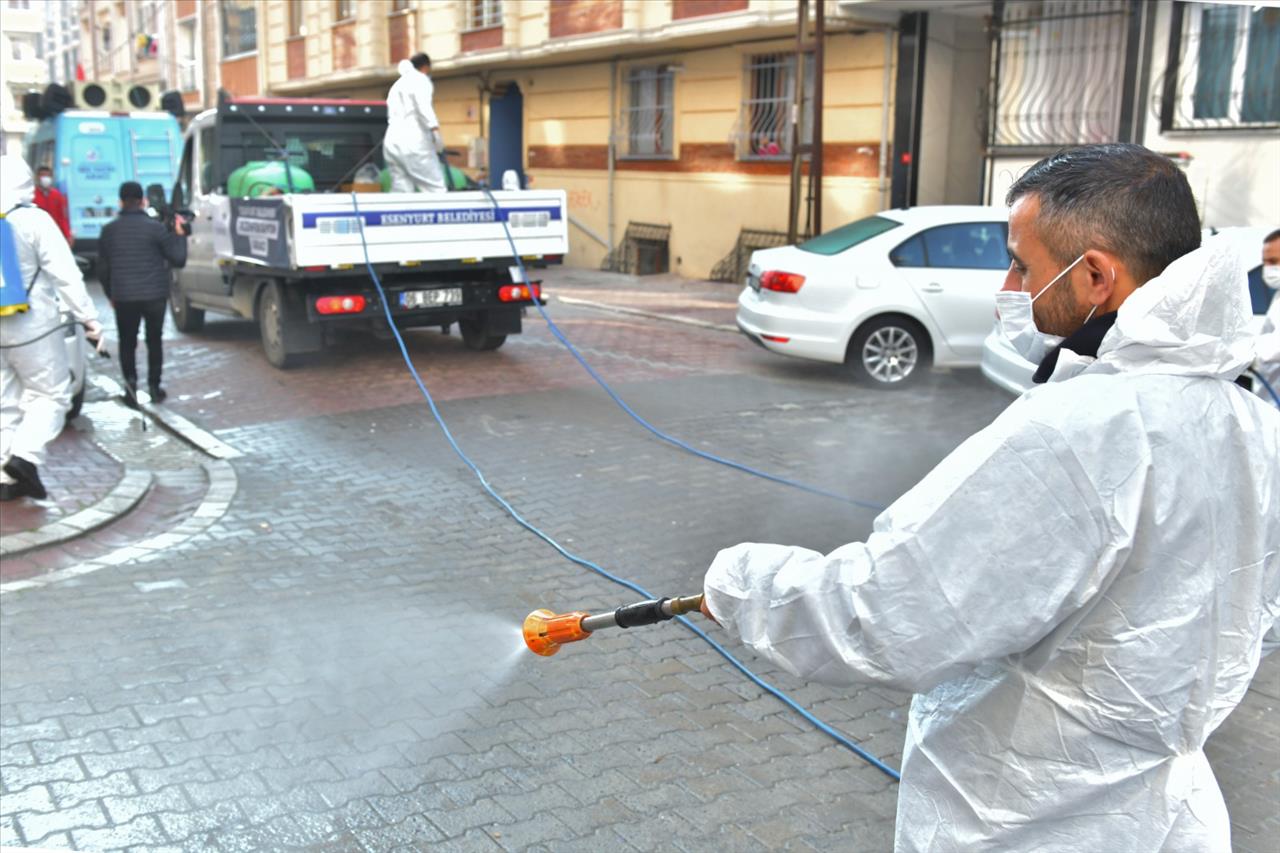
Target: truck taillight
519, 292
340, 304
782, 282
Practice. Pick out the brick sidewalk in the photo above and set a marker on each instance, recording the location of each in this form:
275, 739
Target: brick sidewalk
76, 473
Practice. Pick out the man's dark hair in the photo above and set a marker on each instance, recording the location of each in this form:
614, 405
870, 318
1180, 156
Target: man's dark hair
1119, 197
1274, 235
131, 191
420, 61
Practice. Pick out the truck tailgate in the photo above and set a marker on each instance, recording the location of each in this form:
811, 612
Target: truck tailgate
416, 227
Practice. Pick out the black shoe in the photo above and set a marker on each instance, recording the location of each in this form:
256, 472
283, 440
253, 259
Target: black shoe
157, 393
11, 492
27, 477
130, 395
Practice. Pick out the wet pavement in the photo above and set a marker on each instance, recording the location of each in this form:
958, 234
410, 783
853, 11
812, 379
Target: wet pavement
332, 661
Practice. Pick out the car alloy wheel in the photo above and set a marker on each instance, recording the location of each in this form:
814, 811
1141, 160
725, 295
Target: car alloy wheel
890, 354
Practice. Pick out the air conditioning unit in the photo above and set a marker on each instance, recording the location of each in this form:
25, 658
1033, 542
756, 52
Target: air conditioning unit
142, 97
101, 95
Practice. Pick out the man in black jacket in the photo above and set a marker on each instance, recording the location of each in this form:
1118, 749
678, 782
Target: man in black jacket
135, 256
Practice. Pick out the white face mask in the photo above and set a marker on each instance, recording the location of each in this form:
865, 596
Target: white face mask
1018, 321
1271, 276
46, 181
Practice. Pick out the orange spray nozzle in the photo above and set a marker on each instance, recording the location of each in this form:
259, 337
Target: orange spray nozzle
545, 632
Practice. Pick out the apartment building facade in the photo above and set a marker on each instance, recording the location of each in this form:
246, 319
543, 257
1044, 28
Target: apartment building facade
22, 67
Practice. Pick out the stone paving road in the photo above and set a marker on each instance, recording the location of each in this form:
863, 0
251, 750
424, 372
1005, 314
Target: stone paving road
335, 663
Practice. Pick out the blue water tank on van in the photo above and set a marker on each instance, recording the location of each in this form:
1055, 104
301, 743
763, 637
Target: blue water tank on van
93, 152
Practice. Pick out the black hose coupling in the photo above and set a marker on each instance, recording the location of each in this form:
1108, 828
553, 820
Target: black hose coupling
642, 613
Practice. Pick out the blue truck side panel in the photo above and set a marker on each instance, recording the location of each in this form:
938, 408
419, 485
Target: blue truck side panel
93, 153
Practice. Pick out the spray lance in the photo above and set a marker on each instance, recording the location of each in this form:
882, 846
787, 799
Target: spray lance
545, 632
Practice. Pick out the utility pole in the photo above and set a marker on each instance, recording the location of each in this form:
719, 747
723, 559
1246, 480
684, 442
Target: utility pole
801, 150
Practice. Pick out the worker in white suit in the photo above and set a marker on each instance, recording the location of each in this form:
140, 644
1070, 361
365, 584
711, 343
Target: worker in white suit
413, 142
35, 383
1078, 595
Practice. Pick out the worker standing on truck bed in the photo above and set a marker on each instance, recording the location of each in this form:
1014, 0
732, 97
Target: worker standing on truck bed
413, 143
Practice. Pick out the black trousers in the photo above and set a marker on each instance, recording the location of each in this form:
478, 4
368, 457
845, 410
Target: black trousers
129, 315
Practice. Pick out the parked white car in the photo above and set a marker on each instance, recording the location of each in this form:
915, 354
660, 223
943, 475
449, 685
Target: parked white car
1003, 366
889, 295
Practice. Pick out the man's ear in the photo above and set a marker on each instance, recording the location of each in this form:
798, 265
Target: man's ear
1102, 269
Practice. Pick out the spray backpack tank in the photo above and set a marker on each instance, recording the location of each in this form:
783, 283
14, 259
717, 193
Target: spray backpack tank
14, 297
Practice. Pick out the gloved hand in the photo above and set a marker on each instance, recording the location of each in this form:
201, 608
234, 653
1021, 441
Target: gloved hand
437, 139
93, 331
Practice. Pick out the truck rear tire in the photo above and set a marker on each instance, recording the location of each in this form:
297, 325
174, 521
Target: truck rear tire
185, 317
475, 336
284, 336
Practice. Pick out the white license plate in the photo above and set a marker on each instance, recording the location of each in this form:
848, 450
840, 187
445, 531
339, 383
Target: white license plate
431, 298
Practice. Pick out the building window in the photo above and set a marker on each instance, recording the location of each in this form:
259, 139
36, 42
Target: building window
188, 56
766, 110
239, 27
649, 111
296, 25
482, 14
1061, 73
399, 5
343, 10
1228, 71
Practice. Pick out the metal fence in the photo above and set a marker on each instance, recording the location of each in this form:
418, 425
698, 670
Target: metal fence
733, 266
1059, 72
1225, 68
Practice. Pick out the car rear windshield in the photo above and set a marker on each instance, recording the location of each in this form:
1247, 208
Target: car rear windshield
848, 236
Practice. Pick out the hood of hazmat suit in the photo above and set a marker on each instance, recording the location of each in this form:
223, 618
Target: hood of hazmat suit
1078, 594
45, 262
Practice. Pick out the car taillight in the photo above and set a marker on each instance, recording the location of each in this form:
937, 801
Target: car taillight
782, 282
340, 304
519, 292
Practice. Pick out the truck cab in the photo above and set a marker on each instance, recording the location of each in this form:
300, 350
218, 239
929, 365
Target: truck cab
290, 215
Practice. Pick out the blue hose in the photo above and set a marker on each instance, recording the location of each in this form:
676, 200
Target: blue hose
1267, 385
841, 739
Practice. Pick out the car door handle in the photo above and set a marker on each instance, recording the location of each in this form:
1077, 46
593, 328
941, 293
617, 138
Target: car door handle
932, 287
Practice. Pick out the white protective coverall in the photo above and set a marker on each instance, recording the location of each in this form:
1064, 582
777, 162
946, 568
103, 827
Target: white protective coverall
1268, 350
35, 380
1077, 595
412, 144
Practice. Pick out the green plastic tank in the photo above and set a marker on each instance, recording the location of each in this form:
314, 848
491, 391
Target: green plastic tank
257, 176
455, 179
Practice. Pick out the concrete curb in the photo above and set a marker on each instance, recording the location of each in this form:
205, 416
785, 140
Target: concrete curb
131, 489
200, 439
673, 318
222, 489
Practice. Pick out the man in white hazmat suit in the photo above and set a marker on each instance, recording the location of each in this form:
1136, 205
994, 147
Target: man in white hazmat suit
413, 143
35, 383
1078, 594
1268, 343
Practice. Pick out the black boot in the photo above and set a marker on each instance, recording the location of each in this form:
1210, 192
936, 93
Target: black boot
27, 478
11, 492
157, 393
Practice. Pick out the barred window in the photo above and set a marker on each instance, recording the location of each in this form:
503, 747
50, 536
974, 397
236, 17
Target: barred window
1229, 68
1061, 63
344, 10
649, 111
482, 14
239, 27
767, 108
